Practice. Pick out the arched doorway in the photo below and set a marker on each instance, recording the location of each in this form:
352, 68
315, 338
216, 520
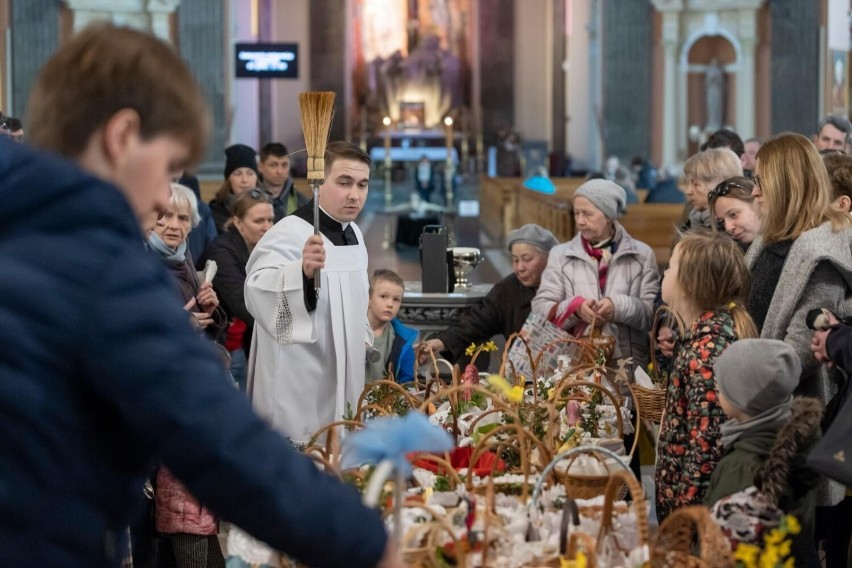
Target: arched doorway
711, 86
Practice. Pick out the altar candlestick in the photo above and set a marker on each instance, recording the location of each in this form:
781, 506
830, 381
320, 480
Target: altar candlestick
387, 121
448, 167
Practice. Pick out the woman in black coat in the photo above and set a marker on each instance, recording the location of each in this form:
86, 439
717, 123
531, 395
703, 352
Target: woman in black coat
252, 216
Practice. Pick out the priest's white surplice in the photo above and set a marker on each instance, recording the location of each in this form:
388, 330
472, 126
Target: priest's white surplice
305, 367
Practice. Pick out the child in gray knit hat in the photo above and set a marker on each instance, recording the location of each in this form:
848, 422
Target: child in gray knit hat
762, 474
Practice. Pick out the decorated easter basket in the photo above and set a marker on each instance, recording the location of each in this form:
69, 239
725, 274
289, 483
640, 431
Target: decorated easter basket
384, 397
587, 485
675, 543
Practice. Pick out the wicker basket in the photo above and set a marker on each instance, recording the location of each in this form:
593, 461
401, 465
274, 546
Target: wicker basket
651, 402
618, 481
675, 542
581, 486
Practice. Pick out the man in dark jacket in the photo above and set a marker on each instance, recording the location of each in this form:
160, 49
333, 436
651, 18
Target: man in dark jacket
274, 166
101, 371
507, 306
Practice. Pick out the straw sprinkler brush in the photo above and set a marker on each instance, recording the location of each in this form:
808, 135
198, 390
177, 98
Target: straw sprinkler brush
317, 110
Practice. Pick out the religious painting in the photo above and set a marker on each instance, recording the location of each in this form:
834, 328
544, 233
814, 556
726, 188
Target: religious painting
412, 114
839, 83
410, 51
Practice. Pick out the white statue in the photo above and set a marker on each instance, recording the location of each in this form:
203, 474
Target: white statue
714, 87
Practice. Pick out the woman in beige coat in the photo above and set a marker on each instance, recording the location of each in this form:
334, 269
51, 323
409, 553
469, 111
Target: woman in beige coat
602, 274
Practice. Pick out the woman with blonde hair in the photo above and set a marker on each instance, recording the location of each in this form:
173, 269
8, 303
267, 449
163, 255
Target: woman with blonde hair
802, 258
704, 171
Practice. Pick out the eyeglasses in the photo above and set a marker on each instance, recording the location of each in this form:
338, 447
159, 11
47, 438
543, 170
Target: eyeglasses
724, 189
757, 183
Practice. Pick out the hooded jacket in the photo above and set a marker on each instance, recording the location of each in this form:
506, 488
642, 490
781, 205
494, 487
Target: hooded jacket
771, 456
102, 374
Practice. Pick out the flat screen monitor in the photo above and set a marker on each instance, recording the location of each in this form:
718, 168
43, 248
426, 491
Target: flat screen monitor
267, 60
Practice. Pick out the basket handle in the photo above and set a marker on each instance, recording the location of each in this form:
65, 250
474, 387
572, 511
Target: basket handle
640, 506
533, 502
570, 516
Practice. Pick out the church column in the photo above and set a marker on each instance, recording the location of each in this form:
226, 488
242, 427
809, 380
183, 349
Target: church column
626, 59
35, 36
745, 91
746, 119
593, 28
201, 33
671, 30
795, 53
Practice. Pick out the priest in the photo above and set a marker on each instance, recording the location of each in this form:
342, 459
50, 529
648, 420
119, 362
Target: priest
306, 366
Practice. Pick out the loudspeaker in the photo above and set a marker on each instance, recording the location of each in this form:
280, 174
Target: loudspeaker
436, 261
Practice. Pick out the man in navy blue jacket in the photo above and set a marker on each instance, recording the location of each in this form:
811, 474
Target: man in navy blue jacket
101, 373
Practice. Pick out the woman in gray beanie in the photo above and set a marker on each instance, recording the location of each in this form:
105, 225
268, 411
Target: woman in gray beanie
602, 275
506, 307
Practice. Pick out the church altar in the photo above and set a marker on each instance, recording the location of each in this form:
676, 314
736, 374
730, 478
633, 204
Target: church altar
436, 312
413, 154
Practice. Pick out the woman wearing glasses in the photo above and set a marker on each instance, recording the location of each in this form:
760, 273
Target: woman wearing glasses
252, 215
732, 207
800, 261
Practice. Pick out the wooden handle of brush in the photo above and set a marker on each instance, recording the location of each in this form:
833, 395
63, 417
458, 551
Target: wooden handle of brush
315, 188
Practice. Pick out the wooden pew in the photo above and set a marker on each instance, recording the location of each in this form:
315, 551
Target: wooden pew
654, 224
550, 211
498, 206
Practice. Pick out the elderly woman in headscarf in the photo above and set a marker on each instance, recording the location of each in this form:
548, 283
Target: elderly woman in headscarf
168, 240
603, 275
506, 307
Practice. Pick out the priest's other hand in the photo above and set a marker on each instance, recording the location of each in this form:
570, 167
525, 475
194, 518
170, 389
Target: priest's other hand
313, 255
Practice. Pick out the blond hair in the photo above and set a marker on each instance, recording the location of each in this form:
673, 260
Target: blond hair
712, 275
105, 69
796, 189
713, 166
385, 275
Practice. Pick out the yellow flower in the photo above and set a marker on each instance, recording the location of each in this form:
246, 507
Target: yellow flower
793, 526
784, 548
489, 346
769, 558
747, 554
774, 537
470, 350
790, 563
501, 385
